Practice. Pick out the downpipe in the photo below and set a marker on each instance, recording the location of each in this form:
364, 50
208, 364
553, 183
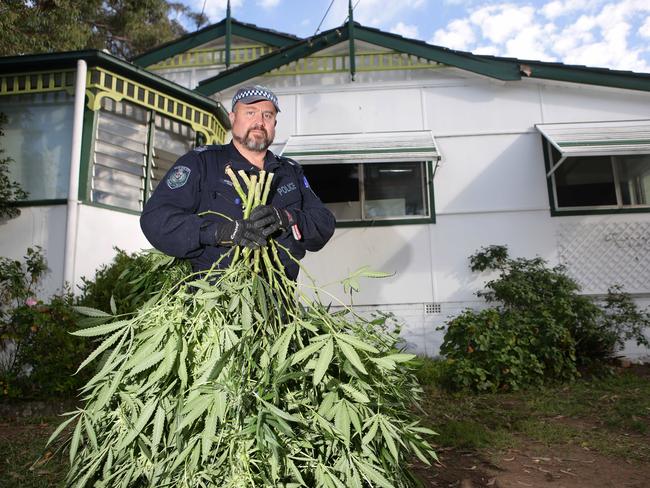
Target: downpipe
73, 202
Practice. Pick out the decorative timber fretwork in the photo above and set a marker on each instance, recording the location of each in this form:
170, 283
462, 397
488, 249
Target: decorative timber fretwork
102, 83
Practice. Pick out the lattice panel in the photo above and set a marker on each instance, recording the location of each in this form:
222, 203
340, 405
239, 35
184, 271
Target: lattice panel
600, 255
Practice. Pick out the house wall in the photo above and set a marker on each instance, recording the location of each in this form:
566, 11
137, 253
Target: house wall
42, 226
490, 188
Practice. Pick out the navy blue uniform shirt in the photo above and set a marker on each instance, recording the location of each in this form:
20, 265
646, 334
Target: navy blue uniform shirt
197, 183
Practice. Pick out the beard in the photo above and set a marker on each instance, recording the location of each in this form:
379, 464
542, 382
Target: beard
253, 143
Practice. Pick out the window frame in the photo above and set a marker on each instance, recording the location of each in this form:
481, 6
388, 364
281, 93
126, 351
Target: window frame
429, 171
557, 211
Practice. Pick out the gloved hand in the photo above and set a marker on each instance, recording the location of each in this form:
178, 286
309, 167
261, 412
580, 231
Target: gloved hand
269, 219
239, 233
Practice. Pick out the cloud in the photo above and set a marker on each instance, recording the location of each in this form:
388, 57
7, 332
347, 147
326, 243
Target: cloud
268, 4
585, 32
405, 30
459, 35
501, 22
644, 30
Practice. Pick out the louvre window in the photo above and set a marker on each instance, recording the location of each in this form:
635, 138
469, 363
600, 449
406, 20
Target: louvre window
134, 148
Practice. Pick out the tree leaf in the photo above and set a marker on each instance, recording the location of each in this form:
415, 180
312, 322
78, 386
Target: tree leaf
355, 394
306, 352
90, 312
352, 356
158, 426
102, 329
76, 437
357, 343
145, 415
324, 361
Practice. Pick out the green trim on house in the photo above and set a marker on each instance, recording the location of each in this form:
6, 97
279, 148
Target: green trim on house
601, 211
32, 63
621, 142
586, 75
38, 203
385, 150
210, 33
431, 219
549, 179
502, 70
87, 150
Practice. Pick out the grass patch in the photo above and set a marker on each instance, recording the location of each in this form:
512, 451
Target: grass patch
609, 415
22, 443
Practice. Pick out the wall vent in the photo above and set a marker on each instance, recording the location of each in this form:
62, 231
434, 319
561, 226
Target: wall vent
431, 308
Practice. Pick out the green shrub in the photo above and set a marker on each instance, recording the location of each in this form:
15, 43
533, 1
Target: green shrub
538, 330
130, 280
38, 354
45, 354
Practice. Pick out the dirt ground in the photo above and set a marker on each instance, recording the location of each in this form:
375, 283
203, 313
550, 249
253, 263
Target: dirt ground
534, 466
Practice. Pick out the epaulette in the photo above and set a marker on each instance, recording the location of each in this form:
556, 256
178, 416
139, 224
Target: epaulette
285, 159
210, 147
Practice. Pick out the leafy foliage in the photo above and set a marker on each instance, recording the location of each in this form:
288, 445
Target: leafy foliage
538, 330
228, 380
44, 353
38, 354
123, 27
10, 191
125, 284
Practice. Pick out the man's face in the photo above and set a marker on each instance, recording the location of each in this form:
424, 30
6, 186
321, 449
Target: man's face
253, 126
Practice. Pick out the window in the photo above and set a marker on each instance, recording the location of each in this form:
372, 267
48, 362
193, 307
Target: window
601, 181
598, 165
377, 177
134, 148
38, 137
372, 191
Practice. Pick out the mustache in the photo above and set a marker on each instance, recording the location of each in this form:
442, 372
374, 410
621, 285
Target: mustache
257, 127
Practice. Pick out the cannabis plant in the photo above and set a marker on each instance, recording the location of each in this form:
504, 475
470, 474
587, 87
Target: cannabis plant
234, 378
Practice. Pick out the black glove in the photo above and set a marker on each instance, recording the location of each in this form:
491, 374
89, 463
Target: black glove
240, 233
269, 219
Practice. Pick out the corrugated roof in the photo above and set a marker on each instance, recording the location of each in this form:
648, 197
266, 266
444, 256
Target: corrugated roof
618, 137
416, 145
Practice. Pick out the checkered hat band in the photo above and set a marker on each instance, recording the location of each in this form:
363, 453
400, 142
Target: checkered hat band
256, 93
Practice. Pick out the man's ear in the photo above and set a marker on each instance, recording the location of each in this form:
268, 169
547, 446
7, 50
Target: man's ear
231, 116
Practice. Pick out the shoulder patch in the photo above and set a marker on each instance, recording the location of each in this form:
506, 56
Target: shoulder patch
178, 177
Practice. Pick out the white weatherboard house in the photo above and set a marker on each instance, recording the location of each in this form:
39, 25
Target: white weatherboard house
424, 154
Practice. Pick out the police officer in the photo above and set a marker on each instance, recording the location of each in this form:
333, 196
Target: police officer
197, 183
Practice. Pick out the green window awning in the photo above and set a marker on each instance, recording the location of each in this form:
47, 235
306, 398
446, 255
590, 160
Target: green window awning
621, 137
359, 147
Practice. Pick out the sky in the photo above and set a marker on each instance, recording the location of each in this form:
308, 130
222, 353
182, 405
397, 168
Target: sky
597, 33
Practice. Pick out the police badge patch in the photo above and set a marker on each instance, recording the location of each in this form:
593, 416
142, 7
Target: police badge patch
178, 177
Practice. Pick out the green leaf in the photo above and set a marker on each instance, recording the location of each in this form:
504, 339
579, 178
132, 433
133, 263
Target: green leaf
280, 413
355, 394
208, 432
198, 407
324, 361
400, 358
102, 329
113, 306
352, 356
142, 421
390, 442
90, 312
373, 474
149, 362
102, 347
158, 426
76, 437
370, 435
384, 363
90, 432
306, 352
357, 343
342, 420
60, 428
